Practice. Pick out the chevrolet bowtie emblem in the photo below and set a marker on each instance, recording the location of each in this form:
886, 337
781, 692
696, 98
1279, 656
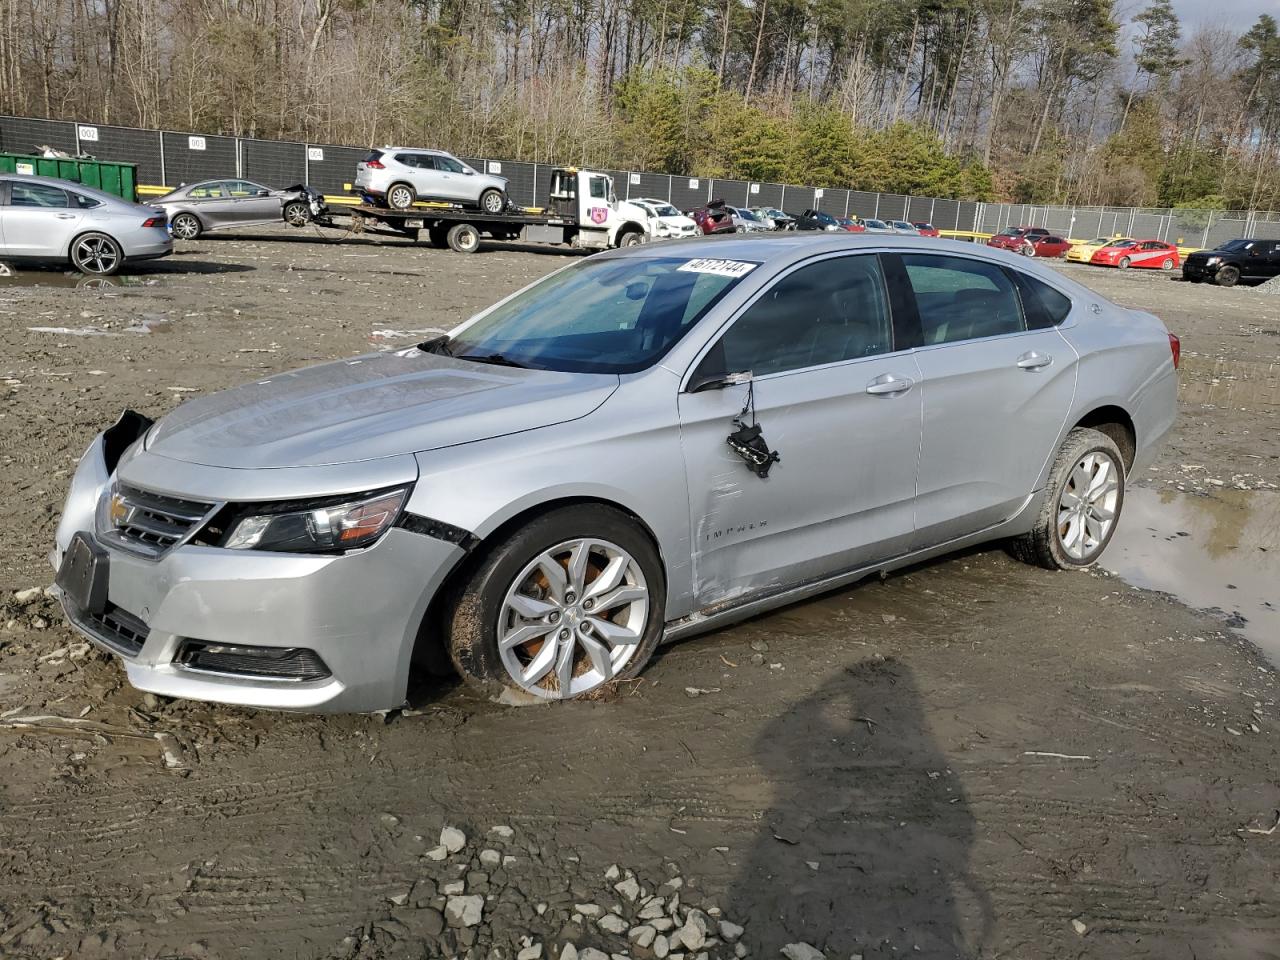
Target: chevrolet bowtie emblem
119, 510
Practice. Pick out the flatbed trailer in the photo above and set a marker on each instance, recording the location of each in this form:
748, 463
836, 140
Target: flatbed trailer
584, 212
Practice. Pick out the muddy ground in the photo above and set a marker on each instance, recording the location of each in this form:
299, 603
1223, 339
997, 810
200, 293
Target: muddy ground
971, 759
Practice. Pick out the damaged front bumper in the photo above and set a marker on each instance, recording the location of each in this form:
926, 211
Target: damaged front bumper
257, 628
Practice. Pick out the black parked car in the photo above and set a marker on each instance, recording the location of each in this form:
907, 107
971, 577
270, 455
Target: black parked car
1235, 260
817, 220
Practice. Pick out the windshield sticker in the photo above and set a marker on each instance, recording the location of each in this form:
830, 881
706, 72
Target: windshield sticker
721, 268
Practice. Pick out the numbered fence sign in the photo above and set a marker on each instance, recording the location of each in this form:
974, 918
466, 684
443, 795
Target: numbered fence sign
693, 183
495, 166
635, 179
755, 188
195, 143
315, 154
87, 133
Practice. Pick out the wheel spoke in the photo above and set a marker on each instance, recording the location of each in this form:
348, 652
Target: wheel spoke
564, 665
1094, 528
616, 635
1075, 531
1103, 512
1101, 477
522, 635
1079, 479
600, 656
541, 663
530, 607
1070, 499
556, 579
609, 577
624, 594
577, 572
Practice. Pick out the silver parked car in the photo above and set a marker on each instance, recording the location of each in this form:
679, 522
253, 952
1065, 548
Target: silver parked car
57, 221
901, 226
645, 444
195, 208
744, 221
876, 226
400, 176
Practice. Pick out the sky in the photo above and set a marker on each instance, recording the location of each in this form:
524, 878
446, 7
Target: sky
1236, 14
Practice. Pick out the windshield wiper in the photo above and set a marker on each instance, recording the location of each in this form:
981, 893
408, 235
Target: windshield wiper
438, 344
497, 359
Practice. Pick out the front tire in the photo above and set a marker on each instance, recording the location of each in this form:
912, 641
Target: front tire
1124, 263
96, 254
1228, 276
296, 214
631, 238
568, 604
186, 226
1082, 504
493, 201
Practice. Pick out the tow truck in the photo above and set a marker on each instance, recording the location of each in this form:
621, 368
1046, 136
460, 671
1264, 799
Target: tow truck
584, 212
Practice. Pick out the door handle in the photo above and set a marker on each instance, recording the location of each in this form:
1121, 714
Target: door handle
65, 216
1034, 361
889, 385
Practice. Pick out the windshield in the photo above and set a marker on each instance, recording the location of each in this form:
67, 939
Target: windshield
1237, 246
1121, 243
747, 214
665, 210
878, 224
601, 316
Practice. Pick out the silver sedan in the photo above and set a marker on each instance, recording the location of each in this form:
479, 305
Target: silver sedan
643, 445
58, 221
196, 208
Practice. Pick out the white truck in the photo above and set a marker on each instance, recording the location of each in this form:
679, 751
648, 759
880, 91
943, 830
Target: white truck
583, 211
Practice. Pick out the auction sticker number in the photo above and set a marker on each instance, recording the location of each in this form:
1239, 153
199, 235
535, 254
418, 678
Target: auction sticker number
721, 268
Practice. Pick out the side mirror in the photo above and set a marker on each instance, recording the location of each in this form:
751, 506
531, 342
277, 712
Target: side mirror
262, 193
717, 381
469, 172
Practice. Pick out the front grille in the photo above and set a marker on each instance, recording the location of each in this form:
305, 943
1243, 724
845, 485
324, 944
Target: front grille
150, 523
290, 664
116, 628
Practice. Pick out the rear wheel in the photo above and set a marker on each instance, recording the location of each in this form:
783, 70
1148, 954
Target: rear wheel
1124, 263
1228, 276
569, 603
400, 196
493, 201
1082, 504
296, 214
463, 238
96, 254
185, 226
1166, 265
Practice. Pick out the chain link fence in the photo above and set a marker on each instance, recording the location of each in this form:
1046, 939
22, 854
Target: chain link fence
167, 158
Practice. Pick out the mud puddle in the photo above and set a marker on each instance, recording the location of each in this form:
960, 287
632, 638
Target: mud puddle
1219, 552
13, 277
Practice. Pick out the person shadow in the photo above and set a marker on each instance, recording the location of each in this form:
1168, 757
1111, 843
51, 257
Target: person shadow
865, 849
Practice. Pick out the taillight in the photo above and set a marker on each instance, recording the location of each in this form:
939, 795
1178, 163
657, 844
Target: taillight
1175, 347
154, 222
374, 165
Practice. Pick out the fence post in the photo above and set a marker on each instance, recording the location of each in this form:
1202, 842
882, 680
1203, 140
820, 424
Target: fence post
670, 187
164, 174
933, 206
876, 215
1204, 236
846, 203
306, 163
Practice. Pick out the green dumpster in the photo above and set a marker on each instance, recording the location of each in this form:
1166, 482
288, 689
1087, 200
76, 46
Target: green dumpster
120, 179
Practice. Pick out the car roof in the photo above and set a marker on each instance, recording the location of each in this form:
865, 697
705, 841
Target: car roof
435, 150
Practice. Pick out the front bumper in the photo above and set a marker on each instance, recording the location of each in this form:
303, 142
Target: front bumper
1199, 270
359, 612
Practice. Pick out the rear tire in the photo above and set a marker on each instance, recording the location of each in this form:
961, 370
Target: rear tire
400, 196
463, 238
186, 226
96, 254
1067, 535
493, 201
1228, 276
1166, 265
572, 634
1124, 263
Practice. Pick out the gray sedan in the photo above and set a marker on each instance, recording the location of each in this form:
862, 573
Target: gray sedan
221, 204
58, 221
643, 445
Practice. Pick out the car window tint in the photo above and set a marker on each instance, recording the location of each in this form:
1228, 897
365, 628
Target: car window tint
448, 164
822, 313
206, 191
1042, 305
411, 160
35, 195
962, 299
243, 188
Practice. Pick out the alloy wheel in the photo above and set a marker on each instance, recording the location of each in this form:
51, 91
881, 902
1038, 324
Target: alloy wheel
295, 214
400, 198
185, 227
96, 254
573, 618
1087, 506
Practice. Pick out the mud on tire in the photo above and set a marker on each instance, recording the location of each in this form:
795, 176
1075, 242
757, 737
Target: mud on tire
474, 612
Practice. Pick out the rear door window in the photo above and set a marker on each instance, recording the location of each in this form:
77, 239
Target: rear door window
962, 299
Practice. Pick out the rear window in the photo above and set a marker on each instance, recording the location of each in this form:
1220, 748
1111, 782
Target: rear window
373, 155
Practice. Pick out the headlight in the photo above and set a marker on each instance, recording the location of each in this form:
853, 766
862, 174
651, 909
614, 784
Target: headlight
1212, 260
323, 528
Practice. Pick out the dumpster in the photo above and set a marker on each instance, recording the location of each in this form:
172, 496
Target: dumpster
120, 179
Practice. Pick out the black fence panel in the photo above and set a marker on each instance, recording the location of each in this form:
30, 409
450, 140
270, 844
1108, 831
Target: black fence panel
189, 158
893, 206
919, 210
273, 163
769, 195
797, 200
862, 204
23, 135
521, 185
946, 215
688, 192
330, 168
732, 192
834, 202
542, 182
653, 185
127, 145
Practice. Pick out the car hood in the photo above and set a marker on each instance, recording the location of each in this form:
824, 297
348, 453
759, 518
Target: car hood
678, 222
378, 405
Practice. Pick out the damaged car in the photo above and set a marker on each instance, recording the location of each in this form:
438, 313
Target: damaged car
197, 208
646, 444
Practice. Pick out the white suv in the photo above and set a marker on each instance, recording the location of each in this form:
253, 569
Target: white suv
401, 175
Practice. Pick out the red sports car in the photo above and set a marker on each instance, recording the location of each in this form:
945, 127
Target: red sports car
1031, 244
1152, 254
927, 229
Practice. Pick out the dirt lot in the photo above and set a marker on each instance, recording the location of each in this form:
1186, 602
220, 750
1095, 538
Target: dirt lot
971, 759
